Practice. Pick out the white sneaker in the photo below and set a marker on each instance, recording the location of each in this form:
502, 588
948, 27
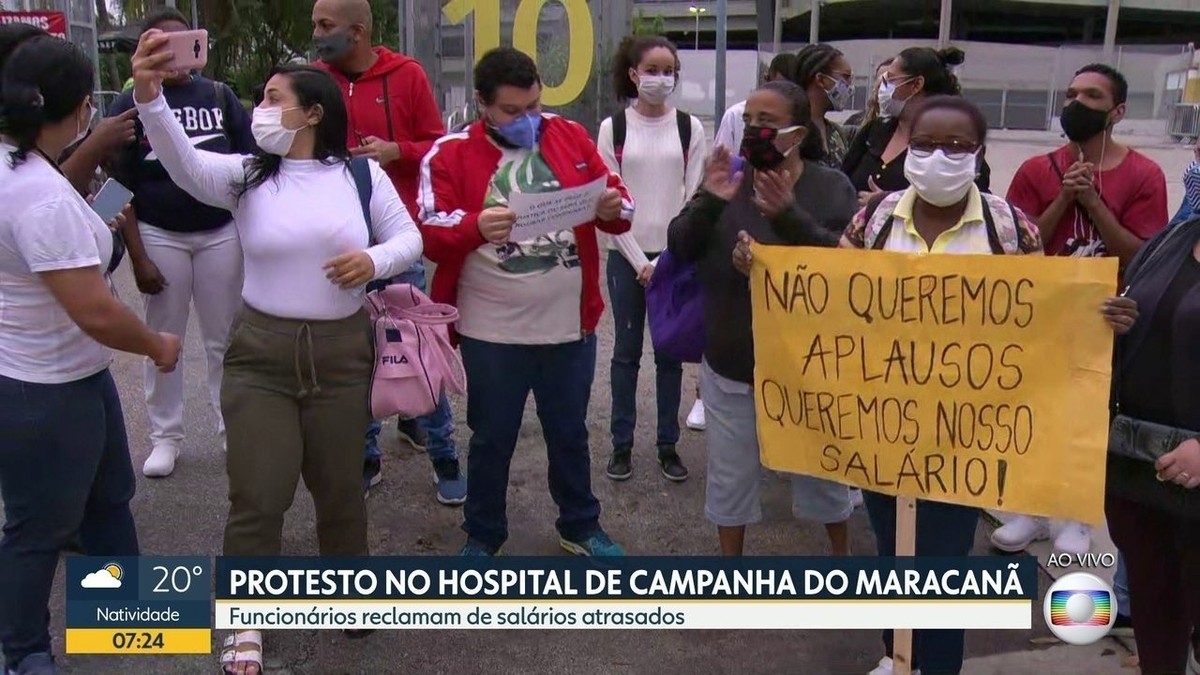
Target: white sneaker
161, 462
695, 419
1074, 538
856, 498
887, 667
1193, 665
1016, 535
221, 442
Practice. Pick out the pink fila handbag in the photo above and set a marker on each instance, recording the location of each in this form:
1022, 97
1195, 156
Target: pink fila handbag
414, 361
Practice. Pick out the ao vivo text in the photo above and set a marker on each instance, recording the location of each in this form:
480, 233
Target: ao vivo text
1105, 560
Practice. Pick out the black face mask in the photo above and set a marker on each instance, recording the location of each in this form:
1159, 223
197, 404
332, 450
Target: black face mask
334, 46
1082, 123
758, 147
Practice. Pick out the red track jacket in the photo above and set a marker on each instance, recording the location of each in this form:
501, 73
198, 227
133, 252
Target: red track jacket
454, 182
393, 101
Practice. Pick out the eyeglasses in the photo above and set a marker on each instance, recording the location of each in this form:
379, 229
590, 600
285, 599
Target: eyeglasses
895, 81
953, 149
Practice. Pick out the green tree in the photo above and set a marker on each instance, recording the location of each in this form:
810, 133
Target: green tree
649, 26
250, 37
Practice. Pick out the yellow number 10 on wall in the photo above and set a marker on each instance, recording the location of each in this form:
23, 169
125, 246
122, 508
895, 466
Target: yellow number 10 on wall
525, 29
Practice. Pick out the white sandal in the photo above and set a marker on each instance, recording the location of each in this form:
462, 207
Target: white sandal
242, 647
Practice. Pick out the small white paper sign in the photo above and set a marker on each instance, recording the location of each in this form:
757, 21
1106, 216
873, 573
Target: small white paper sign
539, 214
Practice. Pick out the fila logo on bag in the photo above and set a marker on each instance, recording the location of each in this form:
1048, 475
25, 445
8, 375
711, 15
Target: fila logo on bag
415, 363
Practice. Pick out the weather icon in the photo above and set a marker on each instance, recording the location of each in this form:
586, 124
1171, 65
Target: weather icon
108, 576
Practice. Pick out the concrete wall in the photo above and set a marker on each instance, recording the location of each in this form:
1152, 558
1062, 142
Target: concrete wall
1018, 85
697, 88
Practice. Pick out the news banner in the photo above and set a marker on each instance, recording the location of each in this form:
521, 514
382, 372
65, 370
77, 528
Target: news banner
170, 605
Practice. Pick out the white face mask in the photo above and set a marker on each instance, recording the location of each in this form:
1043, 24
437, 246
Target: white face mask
655, 89
889, 106
938, 178
87, 126
267, 126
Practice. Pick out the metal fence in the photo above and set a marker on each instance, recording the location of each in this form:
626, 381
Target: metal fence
81, 21
1184, 123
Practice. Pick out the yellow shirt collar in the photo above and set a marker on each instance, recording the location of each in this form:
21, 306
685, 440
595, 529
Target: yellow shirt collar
973, 213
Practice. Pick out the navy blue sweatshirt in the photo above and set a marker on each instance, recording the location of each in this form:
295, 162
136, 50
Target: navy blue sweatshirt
215, 120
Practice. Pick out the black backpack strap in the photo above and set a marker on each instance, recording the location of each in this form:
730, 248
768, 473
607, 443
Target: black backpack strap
361, 171
618, 131
684, 122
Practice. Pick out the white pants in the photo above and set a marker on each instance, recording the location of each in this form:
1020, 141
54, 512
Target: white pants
200, 267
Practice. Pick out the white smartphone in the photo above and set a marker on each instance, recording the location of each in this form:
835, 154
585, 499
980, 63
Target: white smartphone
111, 200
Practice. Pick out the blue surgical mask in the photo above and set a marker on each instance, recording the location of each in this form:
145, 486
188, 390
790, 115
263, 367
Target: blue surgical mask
522, 132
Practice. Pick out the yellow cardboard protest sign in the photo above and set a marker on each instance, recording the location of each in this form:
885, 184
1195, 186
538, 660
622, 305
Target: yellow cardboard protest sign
976, 380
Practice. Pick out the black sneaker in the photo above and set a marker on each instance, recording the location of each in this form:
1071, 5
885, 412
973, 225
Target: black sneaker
357, 633
372, 474
412, 433
672, 467
620, 465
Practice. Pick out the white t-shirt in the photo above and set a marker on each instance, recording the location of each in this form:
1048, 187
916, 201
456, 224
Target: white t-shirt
44, 226
729, 134
653, 170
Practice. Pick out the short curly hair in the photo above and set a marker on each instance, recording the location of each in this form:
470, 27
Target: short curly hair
504, 66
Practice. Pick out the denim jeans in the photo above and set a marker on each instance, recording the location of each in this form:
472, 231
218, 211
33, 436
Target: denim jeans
1121, 586
499, 379
628, 299
946, 530
437, 425
66, 479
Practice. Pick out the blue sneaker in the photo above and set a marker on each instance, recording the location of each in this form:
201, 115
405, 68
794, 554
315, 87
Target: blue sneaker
451, 484
475, 549
596, 544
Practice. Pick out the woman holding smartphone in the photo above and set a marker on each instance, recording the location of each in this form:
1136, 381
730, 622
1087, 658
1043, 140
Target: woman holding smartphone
182, 250
297, 372
65, 471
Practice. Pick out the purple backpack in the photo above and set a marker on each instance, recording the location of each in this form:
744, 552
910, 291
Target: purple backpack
675, 307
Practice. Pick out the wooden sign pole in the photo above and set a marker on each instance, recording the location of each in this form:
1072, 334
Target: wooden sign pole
906, 546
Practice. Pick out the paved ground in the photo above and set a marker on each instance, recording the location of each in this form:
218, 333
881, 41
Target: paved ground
184, 515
